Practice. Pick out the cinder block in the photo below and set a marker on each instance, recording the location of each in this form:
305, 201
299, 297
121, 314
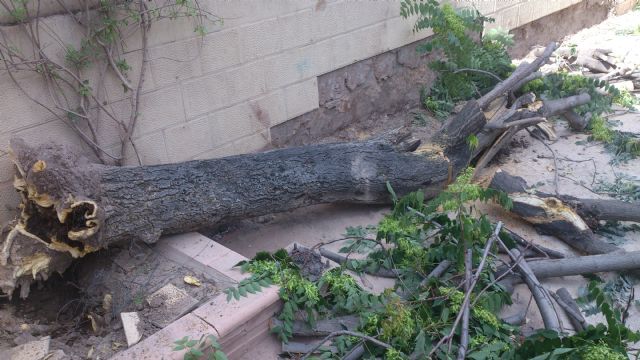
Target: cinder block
227, 316
167, 30
271, 108
173, 62
246, 145
294, 29
18, 110
329, 21
108, 131
186, 140
506, 18
260, 39
360, 44
151, 149
236, 122
531, 10
53, 29
113, 88
301, 98
341, 17
295, 65
237, 13
160, 345
159, 109
399, 32
212, 92
220, 50
52, 132
503, 4
485, 7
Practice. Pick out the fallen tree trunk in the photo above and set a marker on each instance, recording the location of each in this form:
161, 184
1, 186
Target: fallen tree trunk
72, 207
549, 215
75, 207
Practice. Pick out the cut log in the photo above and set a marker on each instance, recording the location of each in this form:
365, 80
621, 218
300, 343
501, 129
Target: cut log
576, 121
75, 207
582, 265
549, 215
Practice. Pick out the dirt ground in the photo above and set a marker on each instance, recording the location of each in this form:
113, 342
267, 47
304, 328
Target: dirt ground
59, 307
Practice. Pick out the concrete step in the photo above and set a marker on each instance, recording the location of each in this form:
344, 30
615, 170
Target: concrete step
239, 325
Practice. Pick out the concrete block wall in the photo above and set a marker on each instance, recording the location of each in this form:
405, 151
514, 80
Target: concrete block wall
221, 94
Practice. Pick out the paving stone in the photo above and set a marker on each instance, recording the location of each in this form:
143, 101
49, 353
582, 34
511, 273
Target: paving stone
132, 327
167, 304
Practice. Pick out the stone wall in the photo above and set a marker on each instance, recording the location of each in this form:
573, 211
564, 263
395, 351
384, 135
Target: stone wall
234, 90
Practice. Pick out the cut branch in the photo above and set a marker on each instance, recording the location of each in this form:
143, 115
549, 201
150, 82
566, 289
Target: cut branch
343, 260
322, 327
540, 294
550, 215
564, 299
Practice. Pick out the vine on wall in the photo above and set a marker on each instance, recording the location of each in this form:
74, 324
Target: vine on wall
75, 73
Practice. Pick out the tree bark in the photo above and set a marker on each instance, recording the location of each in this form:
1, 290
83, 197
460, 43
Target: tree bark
582, 265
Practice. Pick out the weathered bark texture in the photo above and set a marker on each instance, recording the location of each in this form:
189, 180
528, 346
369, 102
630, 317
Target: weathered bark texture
72, 207
550, 215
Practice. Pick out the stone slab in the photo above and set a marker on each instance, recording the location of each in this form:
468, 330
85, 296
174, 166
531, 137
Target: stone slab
167, 304
160, 345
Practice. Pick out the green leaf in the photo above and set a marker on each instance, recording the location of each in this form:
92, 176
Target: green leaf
197, 353
178, 348
190, 343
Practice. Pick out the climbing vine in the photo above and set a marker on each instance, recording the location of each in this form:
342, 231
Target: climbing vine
75, 74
